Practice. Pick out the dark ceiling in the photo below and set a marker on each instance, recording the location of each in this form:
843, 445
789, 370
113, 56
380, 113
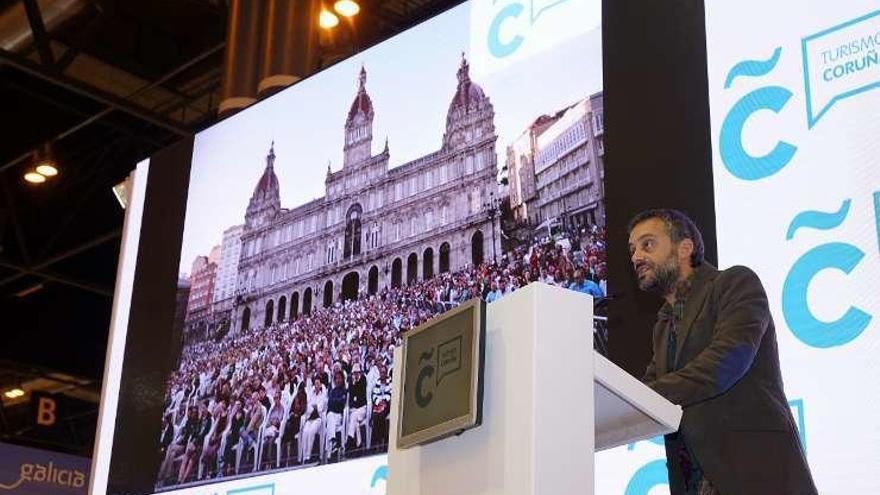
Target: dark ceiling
109, 83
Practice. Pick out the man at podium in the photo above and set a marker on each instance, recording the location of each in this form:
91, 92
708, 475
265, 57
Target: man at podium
715, 355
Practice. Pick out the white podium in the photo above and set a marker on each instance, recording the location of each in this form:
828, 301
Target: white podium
550, 402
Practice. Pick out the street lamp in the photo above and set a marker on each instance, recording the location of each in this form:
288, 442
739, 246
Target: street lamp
492, 208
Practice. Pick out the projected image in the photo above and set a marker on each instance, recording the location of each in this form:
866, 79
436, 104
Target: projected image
327, 221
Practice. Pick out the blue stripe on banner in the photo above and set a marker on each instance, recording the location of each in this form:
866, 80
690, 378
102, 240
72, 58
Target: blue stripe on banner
268, 489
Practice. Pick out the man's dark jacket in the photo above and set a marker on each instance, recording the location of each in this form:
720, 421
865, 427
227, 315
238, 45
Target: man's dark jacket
736, 420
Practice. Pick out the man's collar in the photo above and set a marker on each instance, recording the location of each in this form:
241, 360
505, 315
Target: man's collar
684, 289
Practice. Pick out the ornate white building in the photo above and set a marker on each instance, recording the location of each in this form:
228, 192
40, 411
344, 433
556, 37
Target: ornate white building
374, 227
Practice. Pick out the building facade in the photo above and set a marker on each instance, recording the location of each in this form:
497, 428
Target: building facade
374, 227
201, 293
227, 265
521, 167
227, 275
177, 330
557, 167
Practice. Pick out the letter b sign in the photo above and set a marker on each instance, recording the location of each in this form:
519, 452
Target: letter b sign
46, 407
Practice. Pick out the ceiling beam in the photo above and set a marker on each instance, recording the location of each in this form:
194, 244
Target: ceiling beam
39, 269
13, 219
57, 277
41, 37
97, 241
28, 66
96, 118
103, 164
112, 101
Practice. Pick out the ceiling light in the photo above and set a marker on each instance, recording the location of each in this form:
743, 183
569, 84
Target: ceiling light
347, 8
327, 19
34, 178
47, 169
44, 163
14, 393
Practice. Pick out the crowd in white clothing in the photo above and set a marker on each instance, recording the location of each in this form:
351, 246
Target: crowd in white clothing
317, 389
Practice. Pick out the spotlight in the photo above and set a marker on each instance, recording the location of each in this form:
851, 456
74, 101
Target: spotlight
327, 19
14, 393
44, 165
47, 169
347, 8
34, 178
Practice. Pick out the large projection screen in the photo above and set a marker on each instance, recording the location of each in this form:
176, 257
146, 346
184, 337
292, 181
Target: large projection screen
463, 158
794, 99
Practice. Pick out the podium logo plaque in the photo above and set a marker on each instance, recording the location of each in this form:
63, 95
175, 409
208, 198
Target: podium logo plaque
442, 376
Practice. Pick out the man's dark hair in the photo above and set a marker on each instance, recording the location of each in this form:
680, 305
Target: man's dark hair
679, 227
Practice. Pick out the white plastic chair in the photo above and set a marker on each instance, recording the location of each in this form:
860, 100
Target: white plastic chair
254, 446
277, 440
306, 450
282, 427
342, 429
205, 446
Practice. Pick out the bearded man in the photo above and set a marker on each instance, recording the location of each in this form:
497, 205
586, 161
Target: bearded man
715, 355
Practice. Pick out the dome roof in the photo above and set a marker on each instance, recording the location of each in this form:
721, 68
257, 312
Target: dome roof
268, 183
362, 103
468, 92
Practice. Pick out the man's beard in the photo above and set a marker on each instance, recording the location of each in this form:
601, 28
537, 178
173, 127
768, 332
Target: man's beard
665, 276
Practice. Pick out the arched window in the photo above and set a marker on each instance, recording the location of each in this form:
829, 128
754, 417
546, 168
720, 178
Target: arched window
444, 257
350, 286
352, 245
328, 294
477, 248
270, 309
307, 302
396, 273
412, 269
373, 280
428, 264
282, 308
246, 319
294, 306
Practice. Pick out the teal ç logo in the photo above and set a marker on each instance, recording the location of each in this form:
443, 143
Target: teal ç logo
735, 158
833, 255
500, 47
380, 474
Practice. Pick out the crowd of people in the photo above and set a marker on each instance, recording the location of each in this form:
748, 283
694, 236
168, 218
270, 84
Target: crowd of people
318, 389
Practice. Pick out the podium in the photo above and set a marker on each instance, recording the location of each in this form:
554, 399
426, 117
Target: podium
549, 403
